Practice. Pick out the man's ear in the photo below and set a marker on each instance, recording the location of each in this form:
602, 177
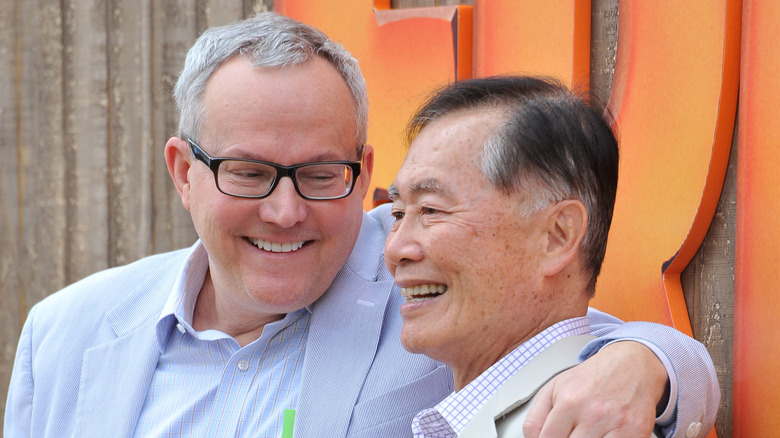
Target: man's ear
366, 170
178, 160
566, 223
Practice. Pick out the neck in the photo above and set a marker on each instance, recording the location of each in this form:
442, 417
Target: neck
497, 347
213, 312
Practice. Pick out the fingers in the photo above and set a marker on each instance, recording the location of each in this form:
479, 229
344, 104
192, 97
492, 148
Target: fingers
534, 421
598, 398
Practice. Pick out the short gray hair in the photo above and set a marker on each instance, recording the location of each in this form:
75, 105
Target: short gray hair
549, 145
268, 40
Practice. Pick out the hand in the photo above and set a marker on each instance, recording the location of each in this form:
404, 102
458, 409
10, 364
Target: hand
612, 394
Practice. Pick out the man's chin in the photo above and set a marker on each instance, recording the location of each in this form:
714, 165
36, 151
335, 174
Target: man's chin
280, 295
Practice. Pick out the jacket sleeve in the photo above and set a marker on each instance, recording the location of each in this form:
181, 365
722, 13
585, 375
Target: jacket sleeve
19, 404
694, 395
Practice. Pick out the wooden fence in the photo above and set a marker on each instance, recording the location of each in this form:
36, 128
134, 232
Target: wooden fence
85, 110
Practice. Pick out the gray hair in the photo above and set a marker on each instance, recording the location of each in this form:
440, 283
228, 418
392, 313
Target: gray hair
268, 40
504, 168
549, 145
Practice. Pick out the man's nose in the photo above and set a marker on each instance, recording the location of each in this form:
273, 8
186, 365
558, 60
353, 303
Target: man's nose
284, 206
402, 246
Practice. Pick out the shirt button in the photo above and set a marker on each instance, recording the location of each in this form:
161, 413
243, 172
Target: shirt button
243, 365
693, 430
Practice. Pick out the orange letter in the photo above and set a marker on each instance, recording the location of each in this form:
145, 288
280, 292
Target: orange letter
756, 301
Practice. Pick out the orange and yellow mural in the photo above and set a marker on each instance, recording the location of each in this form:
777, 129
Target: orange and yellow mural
680, 68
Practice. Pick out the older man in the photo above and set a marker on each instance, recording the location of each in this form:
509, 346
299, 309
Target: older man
282, 315
502, 209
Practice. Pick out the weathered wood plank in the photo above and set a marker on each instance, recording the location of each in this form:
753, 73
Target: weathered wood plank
175, 29
454, 2
86, 108
130, 145
219, 12
32, 264
254, 7
401, 4
11, 311
603, 47
42, 155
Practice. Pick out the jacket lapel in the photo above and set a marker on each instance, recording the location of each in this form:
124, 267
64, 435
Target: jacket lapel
114, 381
115, 375
344, 335
343, 340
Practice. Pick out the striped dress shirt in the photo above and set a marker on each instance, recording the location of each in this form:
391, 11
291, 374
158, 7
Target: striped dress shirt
206, 384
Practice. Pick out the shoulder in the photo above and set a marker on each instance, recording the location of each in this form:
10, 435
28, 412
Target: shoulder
99, 293
382, 216
367, 257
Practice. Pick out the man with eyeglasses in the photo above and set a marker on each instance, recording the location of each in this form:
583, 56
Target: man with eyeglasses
282, 318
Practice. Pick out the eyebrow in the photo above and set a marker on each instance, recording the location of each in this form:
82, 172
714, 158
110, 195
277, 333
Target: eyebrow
392, 192
425, 186
325, 156
243, 154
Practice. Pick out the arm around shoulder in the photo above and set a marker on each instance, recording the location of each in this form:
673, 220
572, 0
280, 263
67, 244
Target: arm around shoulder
694, 389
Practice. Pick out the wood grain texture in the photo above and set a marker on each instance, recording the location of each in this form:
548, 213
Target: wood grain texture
12, 309
41, 168
86, 110
603, 47
401, 4
174, 30
129, 137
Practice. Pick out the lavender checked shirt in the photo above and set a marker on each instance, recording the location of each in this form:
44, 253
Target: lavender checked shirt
450, 416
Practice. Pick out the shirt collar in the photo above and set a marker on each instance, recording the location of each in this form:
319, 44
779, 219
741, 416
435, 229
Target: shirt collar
179, 307
459, 407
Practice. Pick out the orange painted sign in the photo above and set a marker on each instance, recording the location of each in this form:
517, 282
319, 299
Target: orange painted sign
757, 303
533, 37
674, 96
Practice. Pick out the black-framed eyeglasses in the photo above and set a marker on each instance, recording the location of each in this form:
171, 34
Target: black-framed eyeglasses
257, 179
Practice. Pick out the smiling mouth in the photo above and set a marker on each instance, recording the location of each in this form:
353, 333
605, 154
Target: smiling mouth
277, 247
422, 292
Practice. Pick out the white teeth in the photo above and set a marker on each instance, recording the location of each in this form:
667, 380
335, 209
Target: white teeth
422, 292
277, 247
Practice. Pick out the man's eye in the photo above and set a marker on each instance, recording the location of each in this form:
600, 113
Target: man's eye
428, 210
397, 215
